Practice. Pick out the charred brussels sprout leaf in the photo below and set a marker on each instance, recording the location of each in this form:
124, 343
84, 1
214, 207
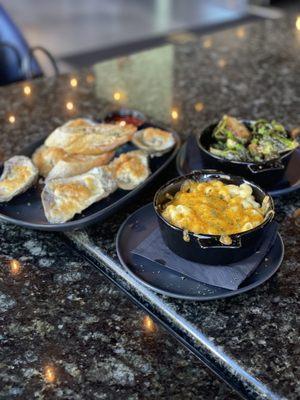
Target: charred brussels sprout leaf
262, 141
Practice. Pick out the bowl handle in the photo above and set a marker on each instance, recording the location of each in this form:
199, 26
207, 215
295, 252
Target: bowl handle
214, 243
271, 165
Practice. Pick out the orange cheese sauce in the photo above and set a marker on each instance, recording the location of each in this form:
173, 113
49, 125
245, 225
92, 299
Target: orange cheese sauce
214, 208
17, 177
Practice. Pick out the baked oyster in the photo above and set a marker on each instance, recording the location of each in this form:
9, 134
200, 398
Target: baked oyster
90, 140
19, 174
64, 197
154, 141
78, 122
130, 169
45, 158
76, 164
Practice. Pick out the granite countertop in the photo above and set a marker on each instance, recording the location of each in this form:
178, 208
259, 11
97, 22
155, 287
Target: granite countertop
251, 72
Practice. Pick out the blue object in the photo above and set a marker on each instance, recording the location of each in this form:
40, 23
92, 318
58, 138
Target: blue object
13, 49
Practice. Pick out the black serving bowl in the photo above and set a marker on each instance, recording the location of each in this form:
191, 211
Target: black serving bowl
264, 174
208, 249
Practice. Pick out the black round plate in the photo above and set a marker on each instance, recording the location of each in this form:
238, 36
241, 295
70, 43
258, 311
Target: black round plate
165, 281
27, 210
189, 159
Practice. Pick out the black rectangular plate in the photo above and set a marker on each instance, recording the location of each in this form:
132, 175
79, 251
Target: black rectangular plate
27, 210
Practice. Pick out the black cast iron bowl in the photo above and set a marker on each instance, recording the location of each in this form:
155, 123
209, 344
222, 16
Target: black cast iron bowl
264, 173
208, 249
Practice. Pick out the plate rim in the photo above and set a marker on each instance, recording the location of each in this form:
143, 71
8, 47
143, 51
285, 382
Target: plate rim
274, 193
228, 294
84, 221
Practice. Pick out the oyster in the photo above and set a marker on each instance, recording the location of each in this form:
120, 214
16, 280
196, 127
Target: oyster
91, 140
154, 141
76, 164
18, 175
64, 197
130, 169
79, 122
46, 157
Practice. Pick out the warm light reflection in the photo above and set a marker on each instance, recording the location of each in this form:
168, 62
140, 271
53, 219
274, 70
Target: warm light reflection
199, 106
240, 32
27, 90
298, 23
207, 43
122, 123
148, 324
70, 106
117, 96
174, 114
222, 62
90, 78
74, 82
12, 119
15, 267
49, 374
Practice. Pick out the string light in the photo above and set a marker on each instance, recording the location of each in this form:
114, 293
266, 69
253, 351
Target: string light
12, 119
174, 114
240, 33
90, 78
15, 267
148, 324
199, 106
49, 374
27, 90
207, 43
117, 96
222, 62
69, 106
74, 82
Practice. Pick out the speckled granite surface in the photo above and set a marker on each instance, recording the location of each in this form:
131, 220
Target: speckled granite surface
251, 71
66, 333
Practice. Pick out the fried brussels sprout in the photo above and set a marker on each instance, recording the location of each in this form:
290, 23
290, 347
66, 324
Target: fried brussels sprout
262, 141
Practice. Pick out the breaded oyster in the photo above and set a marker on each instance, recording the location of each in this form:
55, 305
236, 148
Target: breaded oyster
18, 175
130, 169
65, 197
90, 140
153, 140
45, 158
78, 122
76, 164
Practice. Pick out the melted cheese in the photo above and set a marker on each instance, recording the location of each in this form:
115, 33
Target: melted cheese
72, 197
214, 208
130, 169
157, 138
17, 177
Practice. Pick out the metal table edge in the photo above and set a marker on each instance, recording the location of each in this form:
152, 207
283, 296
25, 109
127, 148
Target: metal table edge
182, 330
